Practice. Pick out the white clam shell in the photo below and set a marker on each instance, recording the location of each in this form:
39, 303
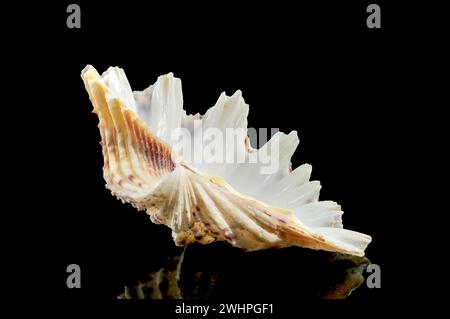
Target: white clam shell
203, 201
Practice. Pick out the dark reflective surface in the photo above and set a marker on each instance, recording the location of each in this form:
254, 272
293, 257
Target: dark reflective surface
220, 271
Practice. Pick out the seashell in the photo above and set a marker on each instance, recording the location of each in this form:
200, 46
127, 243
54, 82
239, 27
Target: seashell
202, 200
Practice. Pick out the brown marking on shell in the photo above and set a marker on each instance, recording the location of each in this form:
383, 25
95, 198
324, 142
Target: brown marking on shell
156, 152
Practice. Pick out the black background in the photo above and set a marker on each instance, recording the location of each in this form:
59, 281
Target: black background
313, 67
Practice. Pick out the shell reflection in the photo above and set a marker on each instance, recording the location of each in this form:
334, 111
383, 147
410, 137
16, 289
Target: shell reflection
217, 271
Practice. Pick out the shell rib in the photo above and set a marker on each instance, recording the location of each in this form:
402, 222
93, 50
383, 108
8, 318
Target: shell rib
206, 201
